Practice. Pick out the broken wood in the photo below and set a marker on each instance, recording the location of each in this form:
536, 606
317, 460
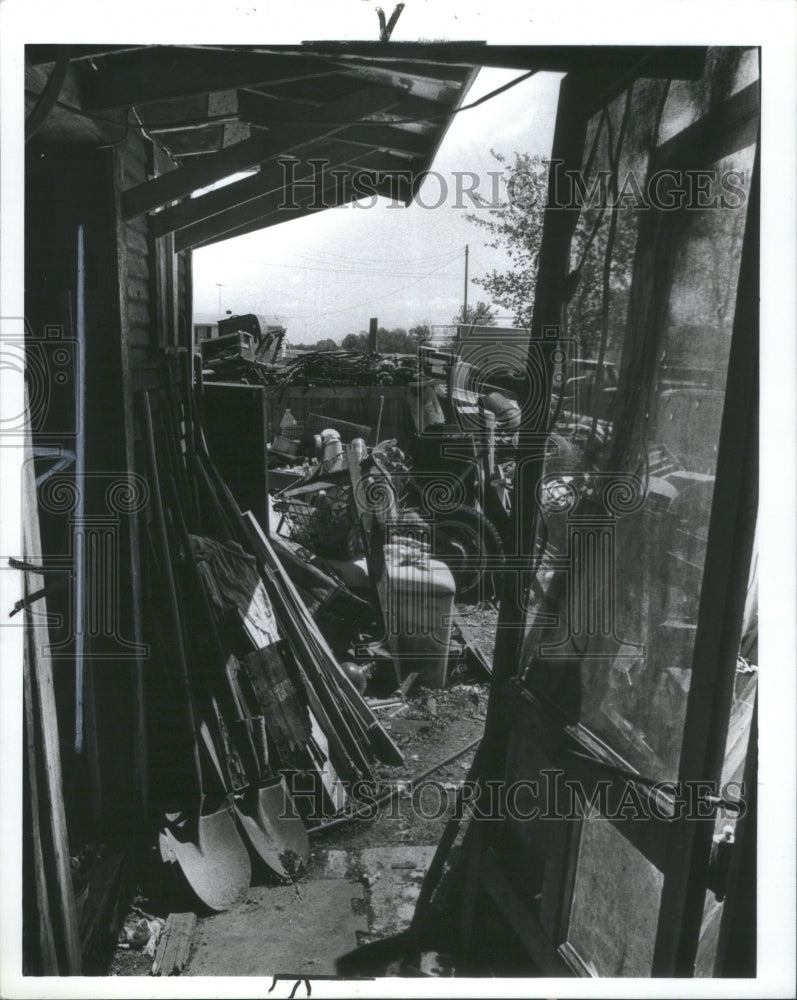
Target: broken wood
174, 945
58, 870
472, 649
278, 141
408, 681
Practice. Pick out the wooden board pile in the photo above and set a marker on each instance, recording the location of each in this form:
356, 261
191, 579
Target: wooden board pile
257, 733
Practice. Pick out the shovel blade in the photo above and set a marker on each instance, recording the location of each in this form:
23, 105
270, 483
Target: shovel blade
274, 829
214, 860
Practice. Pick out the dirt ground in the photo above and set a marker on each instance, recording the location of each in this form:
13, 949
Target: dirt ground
433, 726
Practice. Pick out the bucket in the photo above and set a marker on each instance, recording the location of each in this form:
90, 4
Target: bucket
420, 602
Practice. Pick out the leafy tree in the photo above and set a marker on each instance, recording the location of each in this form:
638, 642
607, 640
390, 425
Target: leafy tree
479, 315
515, 226
395, 341
421, 333
326, 344
355, 342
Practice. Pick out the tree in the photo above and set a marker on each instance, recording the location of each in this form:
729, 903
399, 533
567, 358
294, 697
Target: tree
479, 315
595, 294
421, 333
326, 344
355, 342
395, 341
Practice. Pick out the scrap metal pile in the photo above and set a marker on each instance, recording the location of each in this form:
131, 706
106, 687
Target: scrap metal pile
320, 368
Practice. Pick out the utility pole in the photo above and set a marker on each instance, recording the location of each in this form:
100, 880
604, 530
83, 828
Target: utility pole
465, 306
219, 286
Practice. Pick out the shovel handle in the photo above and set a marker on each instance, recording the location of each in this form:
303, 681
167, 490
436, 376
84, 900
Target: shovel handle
171, 592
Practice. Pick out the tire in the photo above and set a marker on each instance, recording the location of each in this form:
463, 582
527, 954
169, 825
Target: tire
470, 545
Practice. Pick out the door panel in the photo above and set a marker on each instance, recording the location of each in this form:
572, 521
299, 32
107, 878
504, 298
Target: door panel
617, 691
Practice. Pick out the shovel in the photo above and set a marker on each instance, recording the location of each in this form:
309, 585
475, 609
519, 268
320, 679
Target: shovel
207, 847
265, 809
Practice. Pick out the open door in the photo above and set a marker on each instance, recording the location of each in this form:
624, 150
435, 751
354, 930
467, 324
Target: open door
630, 717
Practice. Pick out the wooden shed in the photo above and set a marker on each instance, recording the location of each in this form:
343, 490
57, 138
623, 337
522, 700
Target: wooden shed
640, 690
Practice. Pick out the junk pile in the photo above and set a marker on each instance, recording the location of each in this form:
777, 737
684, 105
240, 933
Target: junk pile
349, 532
278, 642
257, 731
318, 368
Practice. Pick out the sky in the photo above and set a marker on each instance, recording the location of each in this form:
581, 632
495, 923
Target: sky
326, 274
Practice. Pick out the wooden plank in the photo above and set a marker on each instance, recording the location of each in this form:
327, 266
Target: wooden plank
274, 219
471, 644
42, 680
278, 141
165, 72
420, 72
678, 62
186, 142
270, 178
391, 137
331, 192
174, 945
42, 54
47, 953
354, 698
102, 913
520, 918
264, 109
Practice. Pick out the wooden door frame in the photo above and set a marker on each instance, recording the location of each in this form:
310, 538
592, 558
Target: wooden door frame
723, 590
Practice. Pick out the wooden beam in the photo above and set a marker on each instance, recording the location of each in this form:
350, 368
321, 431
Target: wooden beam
164, 72
328, 195
312, 91
37, 55
270, 178
197, 140
275, 219
268, 109
391, 137
277, 141
447, 73
678, 62
42, 690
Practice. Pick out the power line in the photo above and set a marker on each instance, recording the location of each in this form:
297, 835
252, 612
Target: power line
379, 298
321, 253
361, 272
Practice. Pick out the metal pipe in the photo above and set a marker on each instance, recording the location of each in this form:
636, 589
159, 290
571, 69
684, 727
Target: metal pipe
339, 820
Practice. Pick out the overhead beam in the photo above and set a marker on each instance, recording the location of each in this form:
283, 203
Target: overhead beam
266, 109
272, 177
275, 219
263, 111
198, 140
390, 137
678, 62
325, 194
440, 74
297, 94
37, 55
167, 72
277, 141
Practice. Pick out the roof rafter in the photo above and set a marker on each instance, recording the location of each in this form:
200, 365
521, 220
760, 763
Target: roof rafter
271, 177
167, 72
277, 141
354, 176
